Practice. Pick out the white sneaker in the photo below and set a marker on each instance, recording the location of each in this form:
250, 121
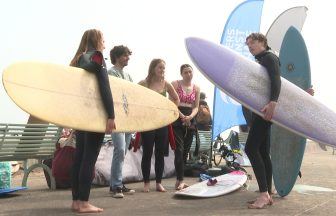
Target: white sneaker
117, 193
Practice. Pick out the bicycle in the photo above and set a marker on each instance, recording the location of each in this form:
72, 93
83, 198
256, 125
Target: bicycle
218, 143
222, 150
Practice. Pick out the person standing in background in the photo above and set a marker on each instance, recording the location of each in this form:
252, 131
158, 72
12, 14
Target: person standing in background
203, 117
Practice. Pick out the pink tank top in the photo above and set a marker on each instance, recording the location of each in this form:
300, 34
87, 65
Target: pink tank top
186, 98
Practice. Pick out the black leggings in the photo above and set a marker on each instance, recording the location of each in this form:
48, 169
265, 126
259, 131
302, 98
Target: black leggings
87, 149
258, 151
183, 139
160, 138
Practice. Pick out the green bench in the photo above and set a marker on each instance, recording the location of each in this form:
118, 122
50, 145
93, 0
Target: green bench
204, 148
242, 137
21, 142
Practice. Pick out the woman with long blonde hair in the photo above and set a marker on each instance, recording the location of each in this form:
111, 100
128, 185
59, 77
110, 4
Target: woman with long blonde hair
89, 57
155, 81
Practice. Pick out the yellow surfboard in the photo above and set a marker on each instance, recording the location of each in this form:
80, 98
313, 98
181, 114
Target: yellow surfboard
69, 97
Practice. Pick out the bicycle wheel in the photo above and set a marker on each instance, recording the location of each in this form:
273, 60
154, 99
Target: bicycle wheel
217, 155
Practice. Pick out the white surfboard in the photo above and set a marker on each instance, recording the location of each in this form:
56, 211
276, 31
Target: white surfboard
225, 184
295, 16
69, 97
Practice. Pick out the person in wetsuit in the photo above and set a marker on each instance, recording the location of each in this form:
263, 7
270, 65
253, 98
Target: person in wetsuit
203, 117
258, 142
155, 81
185, 126
89, 57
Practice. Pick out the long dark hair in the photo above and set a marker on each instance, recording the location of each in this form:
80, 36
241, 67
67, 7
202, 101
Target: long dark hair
185, 66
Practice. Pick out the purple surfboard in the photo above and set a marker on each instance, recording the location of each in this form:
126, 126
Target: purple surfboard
248, 82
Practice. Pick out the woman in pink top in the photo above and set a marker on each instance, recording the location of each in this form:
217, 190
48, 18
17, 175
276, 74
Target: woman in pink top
184, 127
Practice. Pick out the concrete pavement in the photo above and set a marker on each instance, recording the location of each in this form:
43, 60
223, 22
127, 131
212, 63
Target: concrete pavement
318, 169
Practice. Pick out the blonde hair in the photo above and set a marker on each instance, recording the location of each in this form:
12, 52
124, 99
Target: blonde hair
151, 70
90, 40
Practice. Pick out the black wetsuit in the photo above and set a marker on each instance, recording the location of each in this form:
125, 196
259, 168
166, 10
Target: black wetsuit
258, 142
88, 143
183, 138
159, 139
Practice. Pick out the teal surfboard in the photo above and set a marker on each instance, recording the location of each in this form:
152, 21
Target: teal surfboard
287, 148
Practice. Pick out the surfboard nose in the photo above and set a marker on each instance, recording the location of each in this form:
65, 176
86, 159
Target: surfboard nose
211, 57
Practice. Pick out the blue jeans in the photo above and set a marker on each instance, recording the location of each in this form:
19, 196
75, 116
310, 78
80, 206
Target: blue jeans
120, 142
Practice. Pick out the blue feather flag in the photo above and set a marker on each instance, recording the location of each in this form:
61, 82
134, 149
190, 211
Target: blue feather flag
244, 20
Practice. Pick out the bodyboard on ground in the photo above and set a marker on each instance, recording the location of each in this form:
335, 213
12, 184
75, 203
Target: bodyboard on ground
6, 191
69, 97
225, 184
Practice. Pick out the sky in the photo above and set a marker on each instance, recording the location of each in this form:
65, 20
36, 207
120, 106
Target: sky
50, 31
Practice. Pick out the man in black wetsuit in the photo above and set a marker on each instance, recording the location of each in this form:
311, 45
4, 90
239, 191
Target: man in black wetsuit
258, 142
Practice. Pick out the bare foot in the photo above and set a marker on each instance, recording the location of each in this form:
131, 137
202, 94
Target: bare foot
75, 205
177, 184
274, 192
180, 185
261, 202
146, 187
252, 201
160, 188
86, 207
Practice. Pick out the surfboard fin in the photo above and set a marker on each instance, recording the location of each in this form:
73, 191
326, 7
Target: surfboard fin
300, 174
